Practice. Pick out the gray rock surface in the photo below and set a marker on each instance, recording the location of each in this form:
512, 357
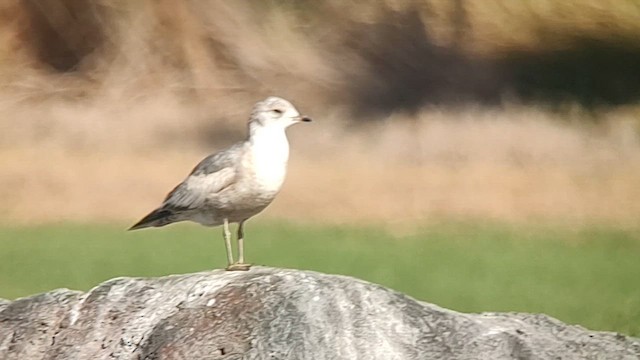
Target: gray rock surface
271, 313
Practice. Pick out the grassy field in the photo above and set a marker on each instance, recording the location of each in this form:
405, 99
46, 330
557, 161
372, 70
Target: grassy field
586, 275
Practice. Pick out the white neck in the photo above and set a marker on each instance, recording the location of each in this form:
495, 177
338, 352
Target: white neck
271, 141
270, 153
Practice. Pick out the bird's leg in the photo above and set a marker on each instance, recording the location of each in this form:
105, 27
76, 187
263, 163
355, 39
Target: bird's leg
227, 241
240, 265
241, 242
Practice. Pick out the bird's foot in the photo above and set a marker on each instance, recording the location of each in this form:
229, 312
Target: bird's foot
238, 267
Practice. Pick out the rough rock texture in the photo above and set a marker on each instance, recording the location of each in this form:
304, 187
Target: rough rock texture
278, 314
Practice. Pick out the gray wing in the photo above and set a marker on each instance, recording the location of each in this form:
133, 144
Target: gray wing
211, 175
218, 161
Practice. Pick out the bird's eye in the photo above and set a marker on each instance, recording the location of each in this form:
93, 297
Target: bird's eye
278, 111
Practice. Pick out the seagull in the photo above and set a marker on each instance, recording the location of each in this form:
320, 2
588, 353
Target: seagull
236, 183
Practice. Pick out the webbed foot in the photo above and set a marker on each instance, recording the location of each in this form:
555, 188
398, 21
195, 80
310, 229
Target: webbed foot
238, 267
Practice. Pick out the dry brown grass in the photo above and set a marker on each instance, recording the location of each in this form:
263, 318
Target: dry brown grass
100, 117
517, 165
217, 52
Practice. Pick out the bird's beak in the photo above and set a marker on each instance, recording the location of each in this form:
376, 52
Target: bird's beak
304, 118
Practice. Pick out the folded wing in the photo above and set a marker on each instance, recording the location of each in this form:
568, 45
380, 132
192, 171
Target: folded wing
212, 175
194, 190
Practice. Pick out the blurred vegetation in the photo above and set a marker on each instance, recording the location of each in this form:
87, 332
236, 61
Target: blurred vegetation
372, 57
580, 275
472, 89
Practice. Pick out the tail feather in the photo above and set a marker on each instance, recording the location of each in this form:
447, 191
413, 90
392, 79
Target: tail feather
158, 217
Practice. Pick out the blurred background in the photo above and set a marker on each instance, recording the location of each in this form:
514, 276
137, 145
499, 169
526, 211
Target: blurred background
484, 156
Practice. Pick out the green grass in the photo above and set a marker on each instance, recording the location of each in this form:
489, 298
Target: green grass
587, 275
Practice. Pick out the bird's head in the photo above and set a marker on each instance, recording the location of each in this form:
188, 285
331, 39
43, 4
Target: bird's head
275, 112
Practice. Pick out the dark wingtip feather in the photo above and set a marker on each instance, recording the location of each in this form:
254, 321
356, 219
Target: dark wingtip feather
152, 219
138, 225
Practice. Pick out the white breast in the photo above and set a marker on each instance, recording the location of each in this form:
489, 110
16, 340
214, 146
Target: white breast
269, 155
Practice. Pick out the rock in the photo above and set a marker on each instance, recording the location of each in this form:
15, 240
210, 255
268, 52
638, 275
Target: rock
271, 313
